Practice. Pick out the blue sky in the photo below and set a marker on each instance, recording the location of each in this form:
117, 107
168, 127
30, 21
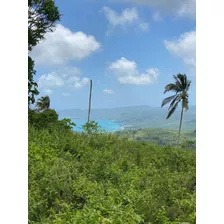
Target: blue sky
129, 48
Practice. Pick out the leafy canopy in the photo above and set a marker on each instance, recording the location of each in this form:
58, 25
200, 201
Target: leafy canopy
42, 16
32, 85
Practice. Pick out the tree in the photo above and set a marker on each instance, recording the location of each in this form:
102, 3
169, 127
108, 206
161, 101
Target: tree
43, 103
180, 87
91, 127
42, 16
32, 85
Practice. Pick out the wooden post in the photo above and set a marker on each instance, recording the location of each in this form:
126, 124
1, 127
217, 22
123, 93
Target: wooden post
90, 95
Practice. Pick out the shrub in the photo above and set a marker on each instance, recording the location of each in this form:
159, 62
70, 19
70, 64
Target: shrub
99, 178
42, 119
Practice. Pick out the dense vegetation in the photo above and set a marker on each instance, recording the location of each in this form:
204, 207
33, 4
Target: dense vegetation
161, 136
96, 177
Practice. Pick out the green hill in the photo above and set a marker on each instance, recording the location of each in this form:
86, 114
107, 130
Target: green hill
160, 136
99, 178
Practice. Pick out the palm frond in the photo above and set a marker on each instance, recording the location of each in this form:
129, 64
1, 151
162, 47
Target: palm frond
167, 100
171, 111
178, 81
43, 103
171, 87
188, 85
185, 83
177, 98
182, 80
185, 103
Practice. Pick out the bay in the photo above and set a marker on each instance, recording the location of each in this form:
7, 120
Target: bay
106, 125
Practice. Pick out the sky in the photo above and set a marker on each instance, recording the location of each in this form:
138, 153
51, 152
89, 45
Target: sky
130, 49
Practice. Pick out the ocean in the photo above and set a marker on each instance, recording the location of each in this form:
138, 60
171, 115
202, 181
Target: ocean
106, 125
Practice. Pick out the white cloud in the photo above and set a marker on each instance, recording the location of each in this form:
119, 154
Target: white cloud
108, 91
68, 77
127, 17
65, 94
127, 73
50, 80
184, 47
78, 82
156, 16
62, 46
180, 8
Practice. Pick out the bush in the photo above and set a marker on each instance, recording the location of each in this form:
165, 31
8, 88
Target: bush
81, 178
43, 119
92, 127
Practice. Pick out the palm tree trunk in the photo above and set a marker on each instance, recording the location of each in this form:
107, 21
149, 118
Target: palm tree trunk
181, 118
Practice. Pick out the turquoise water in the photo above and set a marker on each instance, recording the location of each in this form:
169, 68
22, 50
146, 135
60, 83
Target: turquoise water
106, 125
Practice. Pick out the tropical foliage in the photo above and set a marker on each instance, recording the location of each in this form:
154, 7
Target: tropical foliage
43, 103
180, 87
42, 15
99, 178
92, 127
32, 85
161, 136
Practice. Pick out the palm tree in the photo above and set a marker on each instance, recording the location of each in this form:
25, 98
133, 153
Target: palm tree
180, 87
43, 103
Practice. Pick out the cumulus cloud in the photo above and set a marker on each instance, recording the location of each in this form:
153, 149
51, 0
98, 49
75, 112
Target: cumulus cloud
127, 73
77, 82
179, 8
67, 77
50, 80
127, 17
62, 46
108, 91
184, 47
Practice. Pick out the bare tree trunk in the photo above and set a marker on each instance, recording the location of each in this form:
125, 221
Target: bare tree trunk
181, 117
90, 95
